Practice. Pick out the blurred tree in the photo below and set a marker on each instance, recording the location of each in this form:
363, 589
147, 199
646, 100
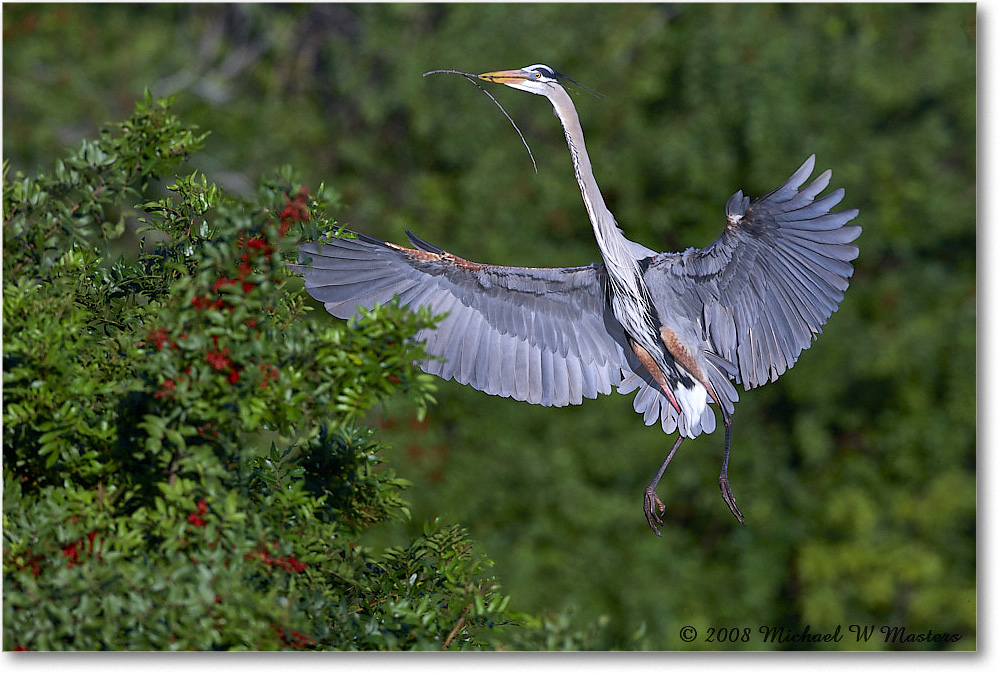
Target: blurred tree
856, 469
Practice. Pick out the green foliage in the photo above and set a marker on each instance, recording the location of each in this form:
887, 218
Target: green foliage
184, 465
856, 470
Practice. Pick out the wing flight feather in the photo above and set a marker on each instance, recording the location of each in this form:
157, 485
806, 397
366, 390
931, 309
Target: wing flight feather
543, 335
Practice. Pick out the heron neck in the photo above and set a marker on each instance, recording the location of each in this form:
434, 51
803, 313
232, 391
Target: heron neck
614, 246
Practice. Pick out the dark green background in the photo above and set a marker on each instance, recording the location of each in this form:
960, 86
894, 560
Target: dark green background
856, 470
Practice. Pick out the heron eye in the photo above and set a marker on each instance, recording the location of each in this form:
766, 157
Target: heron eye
538, 75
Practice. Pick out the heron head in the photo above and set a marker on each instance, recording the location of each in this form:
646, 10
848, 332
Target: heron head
537, 78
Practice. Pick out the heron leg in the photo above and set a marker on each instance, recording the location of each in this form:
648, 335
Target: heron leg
727, 493
650, 498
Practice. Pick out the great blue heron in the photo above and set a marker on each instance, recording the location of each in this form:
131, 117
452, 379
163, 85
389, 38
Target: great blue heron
678, 328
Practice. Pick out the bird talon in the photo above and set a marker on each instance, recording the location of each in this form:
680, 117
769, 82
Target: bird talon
652, 517
727, 496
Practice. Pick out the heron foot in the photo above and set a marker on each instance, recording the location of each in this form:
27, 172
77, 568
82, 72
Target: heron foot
727, 495
649, 503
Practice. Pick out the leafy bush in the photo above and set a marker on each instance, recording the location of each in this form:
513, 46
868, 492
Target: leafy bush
184, 463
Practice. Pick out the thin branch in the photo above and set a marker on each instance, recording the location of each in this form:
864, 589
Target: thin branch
458, 626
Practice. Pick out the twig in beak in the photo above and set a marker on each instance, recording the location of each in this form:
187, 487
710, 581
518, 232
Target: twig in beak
473, 79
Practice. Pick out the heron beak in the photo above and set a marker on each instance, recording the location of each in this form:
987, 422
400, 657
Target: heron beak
505, 76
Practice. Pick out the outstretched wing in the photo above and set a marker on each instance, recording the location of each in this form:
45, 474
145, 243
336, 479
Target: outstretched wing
764, 289
540, 335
